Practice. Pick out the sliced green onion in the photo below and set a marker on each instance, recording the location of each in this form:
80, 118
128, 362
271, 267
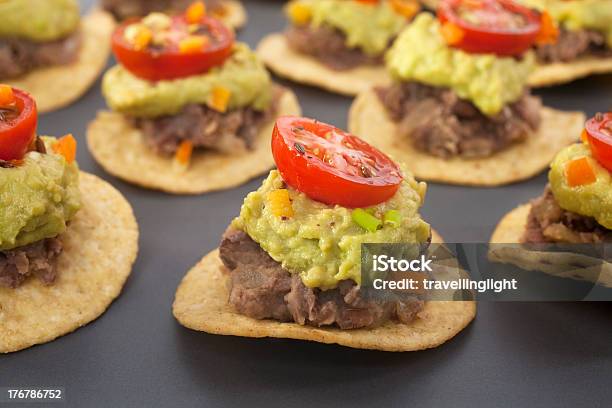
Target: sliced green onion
365, 220
393, 218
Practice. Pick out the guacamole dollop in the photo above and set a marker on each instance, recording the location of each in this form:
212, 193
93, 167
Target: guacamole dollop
591, 200
38, 198
39, 20
243, 74
579, 14
320, 242
366, 26
490, 82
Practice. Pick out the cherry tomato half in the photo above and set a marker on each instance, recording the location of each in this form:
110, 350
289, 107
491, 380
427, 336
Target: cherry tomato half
599, 134
332, 166
155, 63
17, 126
500, 27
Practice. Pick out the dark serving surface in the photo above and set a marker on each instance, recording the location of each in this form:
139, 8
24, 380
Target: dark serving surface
136, 354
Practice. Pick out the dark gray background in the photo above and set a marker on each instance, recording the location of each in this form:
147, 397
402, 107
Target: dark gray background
536, 355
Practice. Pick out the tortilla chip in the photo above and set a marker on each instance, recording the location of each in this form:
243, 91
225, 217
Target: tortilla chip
58, 86
120, 149
234, 14
100, 247
435, 237
512, 227
369, 120
201, 303
560, 73
283, 61
581, 267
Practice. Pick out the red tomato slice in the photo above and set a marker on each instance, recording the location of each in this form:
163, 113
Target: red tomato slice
500, 27
17, 126
155, 64
599, 134
332, 166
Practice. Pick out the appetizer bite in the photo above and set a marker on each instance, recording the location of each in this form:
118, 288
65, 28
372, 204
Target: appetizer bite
231, 12
67, 239
575, 207
459, 109
584, 45
337, 45
49, 51
192, 110
293, 255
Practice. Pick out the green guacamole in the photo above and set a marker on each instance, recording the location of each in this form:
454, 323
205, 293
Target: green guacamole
38, 20
320, 242
579, 14
368, 27
243, 74
490, 82
38, 198
592, 200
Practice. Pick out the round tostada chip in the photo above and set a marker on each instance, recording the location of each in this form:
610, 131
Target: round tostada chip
294, 252
234, 14
563, 72
511, 229
283, 61
201, 303
572, 215
121, 150
100, 247
369, 119
58, 86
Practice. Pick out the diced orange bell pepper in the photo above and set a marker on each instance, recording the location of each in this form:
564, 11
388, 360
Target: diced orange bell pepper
549, 32
142, 39
195, 12
299, 13
220, 98
579, 172
406, 8
280, 203
67, 147
184, 152
584, 136
7, 97
193, 44
452, 33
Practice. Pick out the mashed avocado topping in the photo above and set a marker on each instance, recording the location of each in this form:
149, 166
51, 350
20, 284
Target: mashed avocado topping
243, 74
38, 20
38, 198
490, 82
320, 242
579, 14
591, 200
369, 27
